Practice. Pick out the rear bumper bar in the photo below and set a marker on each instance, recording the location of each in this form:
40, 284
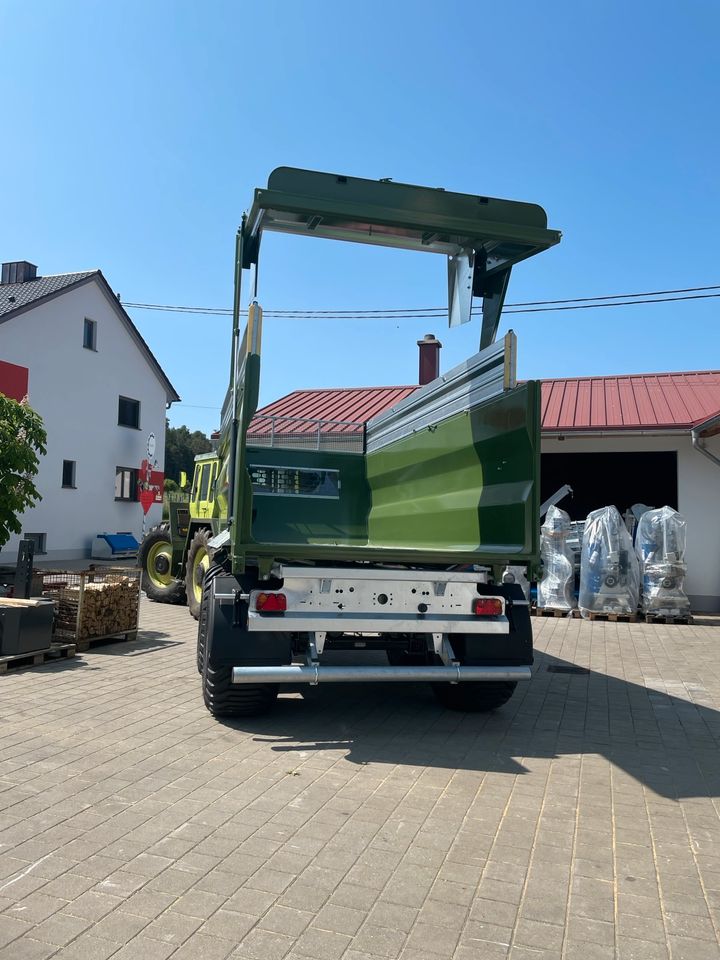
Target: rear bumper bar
313, 674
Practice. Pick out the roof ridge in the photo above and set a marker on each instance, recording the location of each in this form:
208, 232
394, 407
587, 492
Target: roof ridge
66, 273
400, 386
630, 376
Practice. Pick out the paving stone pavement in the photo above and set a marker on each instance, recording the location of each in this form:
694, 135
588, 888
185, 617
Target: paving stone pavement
364, 822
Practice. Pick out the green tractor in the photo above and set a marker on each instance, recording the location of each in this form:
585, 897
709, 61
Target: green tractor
175, 555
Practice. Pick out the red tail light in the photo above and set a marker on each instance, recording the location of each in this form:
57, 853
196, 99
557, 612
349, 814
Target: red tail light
487, 607
271, 602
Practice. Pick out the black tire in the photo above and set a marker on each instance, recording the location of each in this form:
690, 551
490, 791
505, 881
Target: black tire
479, 697
226, 699
213, 572
473, 697
174, 590
222, 697
193, 586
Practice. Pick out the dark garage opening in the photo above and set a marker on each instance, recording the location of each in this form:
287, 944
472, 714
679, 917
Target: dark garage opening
603, 479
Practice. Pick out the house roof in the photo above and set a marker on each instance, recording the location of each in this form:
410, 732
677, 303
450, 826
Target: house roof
343, 408
16, 298
648, 401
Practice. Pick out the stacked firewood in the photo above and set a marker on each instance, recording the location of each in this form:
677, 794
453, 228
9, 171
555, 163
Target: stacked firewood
96, 607
108, 608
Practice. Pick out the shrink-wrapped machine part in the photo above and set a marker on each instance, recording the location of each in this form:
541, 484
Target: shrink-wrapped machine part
515, 574
609, 568
660, 546
556, 588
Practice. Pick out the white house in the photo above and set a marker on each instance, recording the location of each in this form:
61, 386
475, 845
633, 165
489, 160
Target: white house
68, 343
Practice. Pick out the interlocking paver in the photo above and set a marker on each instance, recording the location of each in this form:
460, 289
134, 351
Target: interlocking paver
27, 949
322, 944
262, 944
228, 925
88, 948
119, 926
581, 822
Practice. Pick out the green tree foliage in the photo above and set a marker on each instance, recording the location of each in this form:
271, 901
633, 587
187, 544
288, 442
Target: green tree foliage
22, 440
181, 448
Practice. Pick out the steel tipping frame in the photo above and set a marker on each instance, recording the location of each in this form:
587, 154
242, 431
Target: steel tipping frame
487, 236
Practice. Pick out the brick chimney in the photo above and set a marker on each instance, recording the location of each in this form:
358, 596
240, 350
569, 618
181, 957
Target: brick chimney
18, 271
429, 358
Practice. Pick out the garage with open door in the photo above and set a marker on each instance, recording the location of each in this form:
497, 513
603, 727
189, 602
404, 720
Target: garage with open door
600, 478
652, 439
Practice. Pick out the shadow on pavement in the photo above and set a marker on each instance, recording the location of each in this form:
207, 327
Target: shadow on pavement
147, 641
666, 742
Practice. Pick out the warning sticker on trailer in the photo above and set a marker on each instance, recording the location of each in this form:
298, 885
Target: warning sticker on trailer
295, 482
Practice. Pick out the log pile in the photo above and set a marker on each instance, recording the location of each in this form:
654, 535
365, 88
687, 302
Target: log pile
95, 605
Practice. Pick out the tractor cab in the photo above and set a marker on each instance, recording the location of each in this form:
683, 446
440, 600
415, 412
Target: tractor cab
202, 492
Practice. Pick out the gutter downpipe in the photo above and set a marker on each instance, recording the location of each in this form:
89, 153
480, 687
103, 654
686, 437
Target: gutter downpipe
697, 439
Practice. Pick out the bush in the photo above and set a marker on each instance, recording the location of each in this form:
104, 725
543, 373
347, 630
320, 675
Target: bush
22, 441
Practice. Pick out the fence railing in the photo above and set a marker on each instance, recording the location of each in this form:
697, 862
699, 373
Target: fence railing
306, 433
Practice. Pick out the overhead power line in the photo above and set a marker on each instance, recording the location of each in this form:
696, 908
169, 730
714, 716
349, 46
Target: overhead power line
419, 313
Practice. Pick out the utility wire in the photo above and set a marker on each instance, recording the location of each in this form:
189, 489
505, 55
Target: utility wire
620, 303
409, 313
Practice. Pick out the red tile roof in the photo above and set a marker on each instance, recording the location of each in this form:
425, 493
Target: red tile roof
644, 401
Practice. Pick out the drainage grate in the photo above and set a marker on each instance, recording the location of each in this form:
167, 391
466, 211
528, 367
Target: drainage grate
557, 668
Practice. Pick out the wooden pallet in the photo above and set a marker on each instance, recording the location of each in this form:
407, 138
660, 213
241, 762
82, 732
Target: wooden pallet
17, 661
555, 612
612, 617
88, 642
663, 618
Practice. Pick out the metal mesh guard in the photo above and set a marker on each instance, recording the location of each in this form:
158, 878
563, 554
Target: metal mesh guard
303, 433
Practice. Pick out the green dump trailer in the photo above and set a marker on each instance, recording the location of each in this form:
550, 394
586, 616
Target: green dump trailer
396, 545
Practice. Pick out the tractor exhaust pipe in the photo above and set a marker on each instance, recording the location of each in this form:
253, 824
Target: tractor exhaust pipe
296, 673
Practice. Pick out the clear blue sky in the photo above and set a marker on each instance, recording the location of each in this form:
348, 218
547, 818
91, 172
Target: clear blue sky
135, 132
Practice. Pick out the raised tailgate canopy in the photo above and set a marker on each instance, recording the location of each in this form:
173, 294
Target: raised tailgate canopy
483, 237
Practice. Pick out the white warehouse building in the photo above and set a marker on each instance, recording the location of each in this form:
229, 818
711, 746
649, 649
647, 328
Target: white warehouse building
67, 343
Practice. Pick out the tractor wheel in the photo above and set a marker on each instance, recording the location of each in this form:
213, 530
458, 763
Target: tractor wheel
198, 563
473, 697
155, 559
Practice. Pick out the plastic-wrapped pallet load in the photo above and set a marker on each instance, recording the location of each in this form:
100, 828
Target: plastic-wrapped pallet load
609, 569
555, 589
660, 546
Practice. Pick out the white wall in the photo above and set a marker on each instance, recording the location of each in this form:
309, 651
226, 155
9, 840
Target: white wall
76, 392
698, 501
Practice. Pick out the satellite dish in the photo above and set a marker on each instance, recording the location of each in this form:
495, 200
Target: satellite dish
151, 446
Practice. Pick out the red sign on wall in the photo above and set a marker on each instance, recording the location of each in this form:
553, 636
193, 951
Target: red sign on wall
13, 380
150, 485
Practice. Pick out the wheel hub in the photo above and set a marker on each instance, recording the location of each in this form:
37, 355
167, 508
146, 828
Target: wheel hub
162, 564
